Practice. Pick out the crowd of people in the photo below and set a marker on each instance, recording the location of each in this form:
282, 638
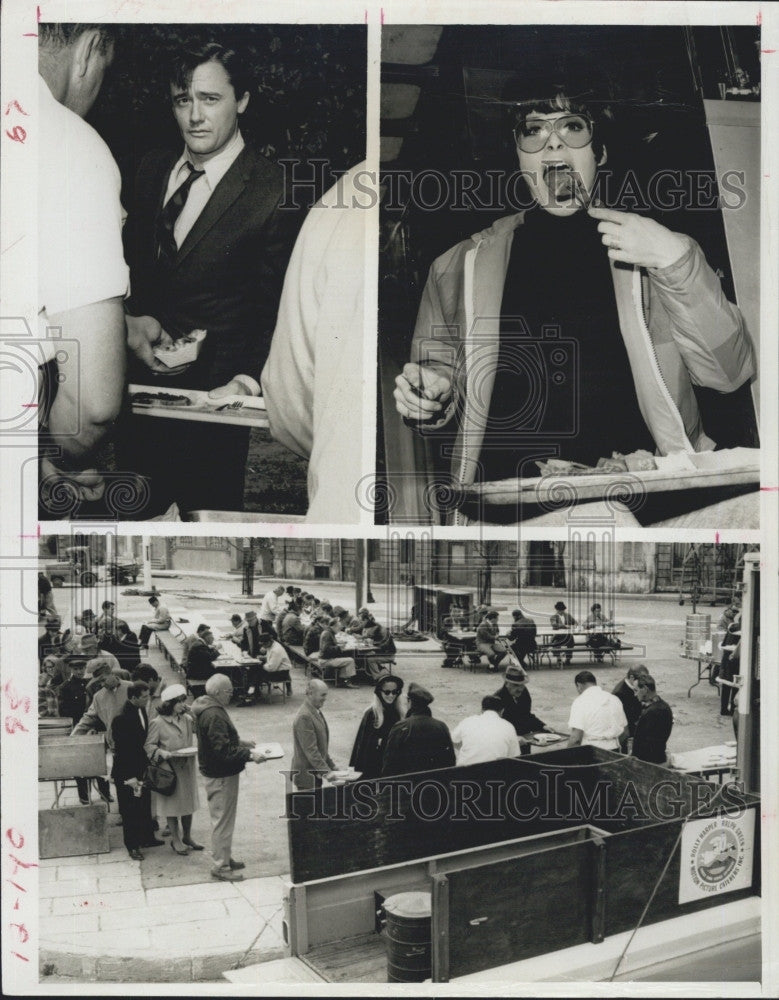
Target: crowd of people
520, 643
94, 675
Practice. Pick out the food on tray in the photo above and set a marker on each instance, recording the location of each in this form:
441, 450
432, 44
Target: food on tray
636, 461
159, 399
183, 351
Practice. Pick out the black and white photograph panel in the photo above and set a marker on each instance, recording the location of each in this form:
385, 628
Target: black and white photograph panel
348, 761
569, 273
216, 318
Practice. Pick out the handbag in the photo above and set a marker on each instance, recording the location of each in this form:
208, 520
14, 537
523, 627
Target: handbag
161, 777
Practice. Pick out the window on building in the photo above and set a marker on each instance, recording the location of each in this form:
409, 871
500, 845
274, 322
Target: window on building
633, 556
323, 550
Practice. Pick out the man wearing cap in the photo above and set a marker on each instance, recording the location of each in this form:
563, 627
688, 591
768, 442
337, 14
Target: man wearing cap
562, 621
597, 718
647, 314
485, 737
311, 760
222, 755
419, 742
655, 723
516, 706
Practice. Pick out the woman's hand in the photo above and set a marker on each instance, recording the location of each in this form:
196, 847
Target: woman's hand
634, 239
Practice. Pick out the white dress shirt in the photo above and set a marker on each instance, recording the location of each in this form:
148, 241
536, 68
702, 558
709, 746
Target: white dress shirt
600, 717
484, 737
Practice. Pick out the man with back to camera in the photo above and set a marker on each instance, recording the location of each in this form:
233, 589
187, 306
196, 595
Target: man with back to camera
207, 240
647, 316
79, 222
487, 736
597, 718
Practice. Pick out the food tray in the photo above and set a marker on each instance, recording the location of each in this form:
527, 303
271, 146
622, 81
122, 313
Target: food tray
184, 752
194, 405
271, 751
730, 467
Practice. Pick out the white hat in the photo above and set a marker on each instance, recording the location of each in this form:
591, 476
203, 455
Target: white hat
173, 691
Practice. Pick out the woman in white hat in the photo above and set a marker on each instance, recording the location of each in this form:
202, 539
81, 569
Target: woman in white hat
173, 729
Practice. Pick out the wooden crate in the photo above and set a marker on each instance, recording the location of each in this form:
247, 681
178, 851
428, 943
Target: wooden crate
71, 757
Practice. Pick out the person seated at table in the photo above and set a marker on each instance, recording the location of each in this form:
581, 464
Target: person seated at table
160, 623
488, 641
517, 705
344, 617
375, 659
419, 742
274, 659
597, 623
291, 632
186, 645
522, 636
312, 634
252, 633
361, 621
625, 690
236, 629
126, 647
654, 725
202, 653
331, 657
386, 708
562, 620
487, 736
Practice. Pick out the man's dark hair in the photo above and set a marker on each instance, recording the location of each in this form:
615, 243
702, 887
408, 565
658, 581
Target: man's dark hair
154, 599
107, 604
136, 689
647, 681
235, 619
202, 628
145, 672
585, 677
490, 703
186, 61
638, 670
59, 36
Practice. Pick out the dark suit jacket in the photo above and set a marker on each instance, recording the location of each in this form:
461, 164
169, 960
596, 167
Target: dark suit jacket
518, 712
129, 737
418, 743
228, 273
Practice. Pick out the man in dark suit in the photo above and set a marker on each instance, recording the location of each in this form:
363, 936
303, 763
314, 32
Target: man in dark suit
208, 238
517, 707
419, 742
128, 732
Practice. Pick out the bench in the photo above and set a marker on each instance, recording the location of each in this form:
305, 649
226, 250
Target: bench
550, 651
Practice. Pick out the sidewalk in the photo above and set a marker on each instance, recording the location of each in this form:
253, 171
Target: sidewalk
98, 923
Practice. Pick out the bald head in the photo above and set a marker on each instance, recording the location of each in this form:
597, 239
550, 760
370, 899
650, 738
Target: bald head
220, 687
316, 692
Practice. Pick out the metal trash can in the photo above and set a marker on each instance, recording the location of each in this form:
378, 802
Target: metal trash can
408, 937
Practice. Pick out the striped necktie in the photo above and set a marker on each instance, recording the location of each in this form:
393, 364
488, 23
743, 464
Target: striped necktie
165, 239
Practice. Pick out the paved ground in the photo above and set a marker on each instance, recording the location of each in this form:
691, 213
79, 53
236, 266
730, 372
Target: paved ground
176, 923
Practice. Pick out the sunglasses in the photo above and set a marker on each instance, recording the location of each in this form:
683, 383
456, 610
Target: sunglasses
390, 691
532, 134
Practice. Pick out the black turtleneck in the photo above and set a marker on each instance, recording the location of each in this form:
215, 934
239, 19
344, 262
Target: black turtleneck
571, 396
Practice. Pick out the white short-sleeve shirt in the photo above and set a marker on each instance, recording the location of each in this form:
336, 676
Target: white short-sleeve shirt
484, 737
600, 717
80, 216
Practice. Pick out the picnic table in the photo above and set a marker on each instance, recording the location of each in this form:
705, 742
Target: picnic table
545, 646
715, 761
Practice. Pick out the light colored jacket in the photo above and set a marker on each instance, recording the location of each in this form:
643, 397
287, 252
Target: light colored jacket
677, 325
311, 739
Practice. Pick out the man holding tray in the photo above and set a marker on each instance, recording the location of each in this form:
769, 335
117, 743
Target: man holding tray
208, 240
533, 335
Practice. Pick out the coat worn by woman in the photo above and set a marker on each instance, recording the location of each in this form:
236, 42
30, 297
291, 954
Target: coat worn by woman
368, 751
169, 732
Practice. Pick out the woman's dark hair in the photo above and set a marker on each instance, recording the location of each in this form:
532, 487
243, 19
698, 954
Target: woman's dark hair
166, 707
562, 99
185, 62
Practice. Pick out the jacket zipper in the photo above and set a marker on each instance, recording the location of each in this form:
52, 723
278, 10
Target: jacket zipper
639, 307
470, 265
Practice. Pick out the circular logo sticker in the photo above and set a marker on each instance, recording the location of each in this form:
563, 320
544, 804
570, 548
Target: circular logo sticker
716, 856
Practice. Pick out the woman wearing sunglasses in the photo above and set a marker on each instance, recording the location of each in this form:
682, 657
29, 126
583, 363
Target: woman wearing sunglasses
385, 710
